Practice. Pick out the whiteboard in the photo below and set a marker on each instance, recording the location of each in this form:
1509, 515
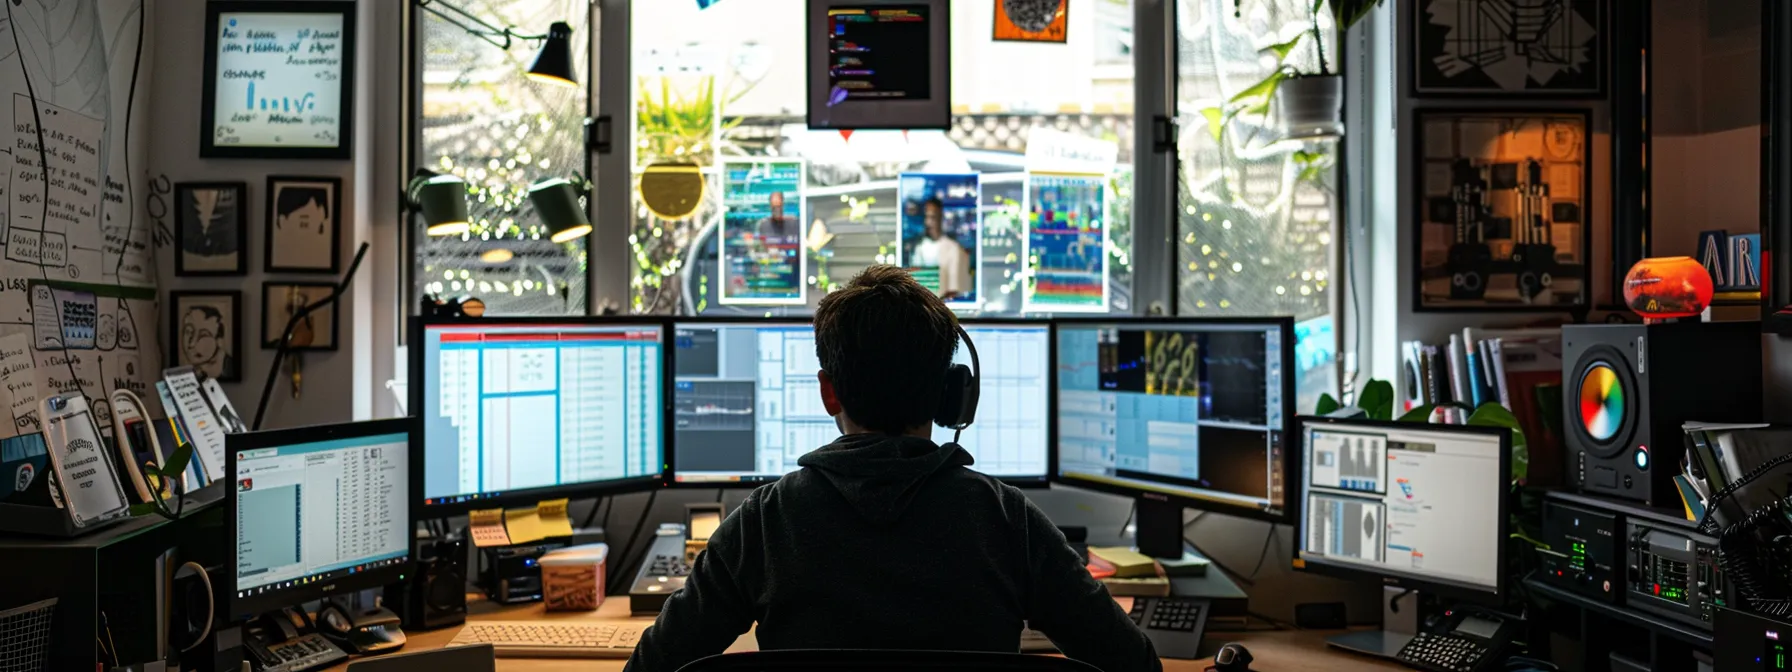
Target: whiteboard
276, 81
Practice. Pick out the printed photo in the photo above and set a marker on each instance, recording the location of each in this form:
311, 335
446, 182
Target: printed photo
763, 258
941, 241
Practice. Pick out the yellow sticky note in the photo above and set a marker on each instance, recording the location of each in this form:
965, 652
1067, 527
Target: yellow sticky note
487, 527
554, 522
524, 525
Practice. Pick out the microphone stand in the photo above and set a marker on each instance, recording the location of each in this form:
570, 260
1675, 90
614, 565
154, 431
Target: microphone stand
267, 390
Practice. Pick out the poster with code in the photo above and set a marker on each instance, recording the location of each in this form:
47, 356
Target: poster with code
762, 254
1066, 242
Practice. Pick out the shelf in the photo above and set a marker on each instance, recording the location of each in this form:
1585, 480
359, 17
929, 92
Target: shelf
1655, 624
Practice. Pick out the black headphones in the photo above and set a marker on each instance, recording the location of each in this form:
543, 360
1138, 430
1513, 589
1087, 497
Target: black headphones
958, 405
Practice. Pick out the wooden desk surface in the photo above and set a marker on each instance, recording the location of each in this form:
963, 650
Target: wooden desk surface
1274, 650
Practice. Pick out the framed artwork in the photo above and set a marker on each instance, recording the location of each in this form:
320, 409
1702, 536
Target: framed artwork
763, 259
1502, 213
211, 225
303, 234
1065, 243
279, 300
1031, 20
1498, 47
277, 79
205, 332
940, 233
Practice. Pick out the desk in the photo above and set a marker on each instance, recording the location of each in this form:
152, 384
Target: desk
1274, 650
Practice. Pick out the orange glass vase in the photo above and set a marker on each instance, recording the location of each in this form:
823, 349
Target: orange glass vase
1667, 287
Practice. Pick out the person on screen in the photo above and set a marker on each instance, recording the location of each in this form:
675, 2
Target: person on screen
777, 228
938, 250
884, 539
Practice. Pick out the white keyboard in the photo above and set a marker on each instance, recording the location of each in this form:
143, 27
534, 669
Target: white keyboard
548, 639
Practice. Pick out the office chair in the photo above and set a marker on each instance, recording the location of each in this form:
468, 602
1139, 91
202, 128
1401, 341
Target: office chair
882, 660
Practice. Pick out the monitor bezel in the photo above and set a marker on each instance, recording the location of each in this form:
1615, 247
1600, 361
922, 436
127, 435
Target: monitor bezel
238, 608
1039, 482
1503, 580
1290, 512
533, 496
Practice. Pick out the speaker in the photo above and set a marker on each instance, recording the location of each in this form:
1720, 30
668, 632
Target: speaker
1629, 388
435, 596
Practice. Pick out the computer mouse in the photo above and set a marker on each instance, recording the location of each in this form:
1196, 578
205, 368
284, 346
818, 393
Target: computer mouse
1233, 657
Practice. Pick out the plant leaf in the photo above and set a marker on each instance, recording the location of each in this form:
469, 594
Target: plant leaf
142, 509
1281, 50
1263, 89
1420, 414
176, 464
1377, 399
1327, 404
1216, 121
1492, 414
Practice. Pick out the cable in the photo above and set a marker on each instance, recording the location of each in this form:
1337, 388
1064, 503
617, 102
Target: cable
719, 492
1264, 554
593, 514
130, 103
1129, 514
617, 579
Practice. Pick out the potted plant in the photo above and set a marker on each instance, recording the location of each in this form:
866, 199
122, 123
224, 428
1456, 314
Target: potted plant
1311, 103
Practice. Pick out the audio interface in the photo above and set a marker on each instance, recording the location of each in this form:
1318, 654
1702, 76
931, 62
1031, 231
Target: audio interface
1584, 553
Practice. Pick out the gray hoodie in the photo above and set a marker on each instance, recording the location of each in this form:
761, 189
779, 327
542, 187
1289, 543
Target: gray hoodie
884, 542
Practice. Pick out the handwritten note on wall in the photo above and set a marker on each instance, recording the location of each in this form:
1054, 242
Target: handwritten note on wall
279, 80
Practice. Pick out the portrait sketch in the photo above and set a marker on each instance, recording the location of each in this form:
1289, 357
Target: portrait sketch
205, 333
302, 224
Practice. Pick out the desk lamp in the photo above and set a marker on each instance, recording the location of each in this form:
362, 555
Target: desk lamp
558, 201
442, 199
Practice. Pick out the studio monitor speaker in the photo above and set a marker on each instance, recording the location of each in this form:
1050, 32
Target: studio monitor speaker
1629, 388
436, 595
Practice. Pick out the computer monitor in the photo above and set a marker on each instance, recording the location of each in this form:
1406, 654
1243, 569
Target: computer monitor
1413, 505
317, 511
516, 411
746, 402
1177, 413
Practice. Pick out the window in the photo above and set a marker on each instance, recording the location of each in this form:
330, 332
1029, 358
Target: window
1255, 211
482, 120
725, 84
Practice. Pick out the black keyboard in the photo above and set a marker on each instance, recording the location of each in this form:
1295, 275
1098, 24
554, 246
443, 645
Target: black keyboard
1443, 653
668, 565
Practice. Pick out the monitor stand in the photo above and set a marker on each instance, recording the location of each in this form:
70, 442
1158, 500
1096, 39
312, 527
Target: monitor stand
1399, 622
1159, 529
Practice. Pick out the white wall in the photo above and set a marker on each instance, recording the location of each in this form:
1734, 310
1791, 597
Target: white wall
337, 386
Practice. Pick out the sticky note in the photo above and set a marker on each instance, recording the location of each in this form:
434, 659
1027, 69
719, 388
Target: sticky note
524, 525
554, 522
487, 527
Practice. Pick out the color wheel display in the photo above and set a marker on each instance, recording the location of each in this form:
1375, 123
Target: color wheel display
1601, 402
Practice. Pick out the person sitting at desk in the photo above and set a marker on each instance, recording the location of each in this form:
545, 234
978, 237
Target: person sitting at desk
884, 540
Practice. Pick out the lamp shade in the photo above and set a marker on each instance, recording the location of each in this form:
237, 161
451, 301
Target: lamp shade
554, 64
443, 201
557, 201
1667, 287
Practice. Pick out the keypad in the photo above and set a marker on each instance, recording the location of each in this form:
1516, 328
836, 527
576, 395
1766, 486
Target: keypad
1442, 653
1174, 614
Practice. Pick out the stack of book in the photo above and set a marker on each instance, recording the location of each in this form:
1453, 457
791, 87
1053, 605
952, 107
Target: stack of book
1520, 369
1128, 573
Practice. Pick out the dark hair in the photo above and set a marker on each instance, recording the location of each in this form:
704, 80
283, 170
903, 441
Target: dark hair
293, 198
886, 342
208, 312
935, 202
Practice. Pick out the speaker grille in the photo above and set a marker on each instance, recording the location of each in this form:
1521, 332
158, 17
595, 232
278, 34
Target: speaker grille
1602, 402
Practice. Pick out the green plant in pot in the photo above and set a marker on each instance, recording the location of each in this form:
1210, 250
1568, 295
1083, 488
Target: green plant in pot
1311, 103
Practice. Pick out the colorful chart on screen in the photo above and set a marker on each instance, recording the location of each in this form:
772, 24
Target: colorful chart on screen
941, 236
1066, 243
1601, 402
763, 259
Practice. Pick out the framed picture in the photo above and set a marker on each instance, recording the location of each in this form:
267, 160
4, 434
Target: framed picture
1031, 20
279, 300
303, 233
205, 332
1502, 218
277, 79
763, 256
940, 233
1498, 47
211, 226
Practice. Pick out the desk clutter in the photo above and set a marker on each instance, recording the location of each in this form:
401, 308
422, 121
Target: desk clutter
1663, 549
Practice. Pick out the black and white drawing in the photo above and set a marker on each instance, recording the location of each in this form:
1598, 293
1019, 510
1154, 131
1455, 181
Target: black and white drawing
1509, 47
303, 216
205, 332
211, 226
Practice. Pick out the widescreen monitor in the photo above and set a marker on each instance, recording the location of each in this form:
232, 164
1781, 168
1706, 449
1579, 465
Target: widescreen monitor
1187, 412
1414, 505
747, 404
317, 511
516, 411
